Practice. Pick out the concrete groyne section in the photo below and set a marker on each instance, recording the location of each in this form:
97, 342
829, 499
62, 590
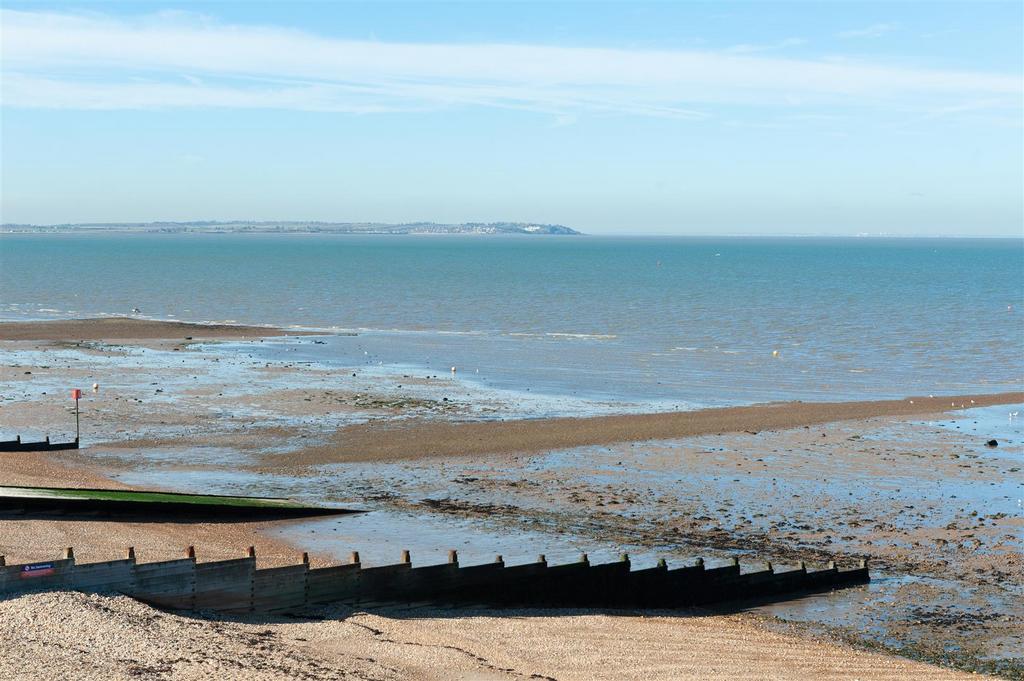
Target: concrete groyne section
237, 586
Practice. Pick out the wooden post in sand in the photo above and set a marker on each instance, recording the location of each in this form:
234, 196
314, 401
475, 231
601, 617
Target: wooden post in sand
76, 394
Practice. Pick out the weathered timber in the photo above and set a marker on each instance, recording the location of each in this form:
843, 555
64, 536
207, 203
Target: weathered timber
146, 505
237, 586
18, 445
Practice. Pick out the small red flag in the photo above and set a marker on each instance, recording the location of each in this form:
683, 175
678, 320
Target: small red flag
76, 393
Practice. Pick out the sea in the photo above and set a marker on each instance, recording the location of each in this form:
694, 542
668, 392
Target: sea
656, 322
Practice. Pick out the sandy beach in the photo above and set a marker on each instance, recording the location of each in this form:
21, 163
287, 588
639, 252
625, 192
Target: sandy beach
773, 481
426, 439
104, 637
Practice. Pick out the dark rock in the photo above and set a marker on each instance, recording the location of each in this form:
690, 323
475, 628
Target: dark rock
992, 443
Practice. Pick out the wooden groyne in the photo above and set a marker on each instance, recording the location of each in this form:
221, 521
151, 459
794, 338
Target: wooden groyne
150, 505
17, 445
237, 586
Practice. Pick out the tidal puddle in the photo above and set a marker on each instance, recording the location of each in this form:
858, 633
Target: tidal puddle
900, 610
380, 536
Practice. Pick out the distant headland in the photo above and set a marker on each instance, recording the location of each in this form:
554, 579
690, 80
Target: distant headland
297, 227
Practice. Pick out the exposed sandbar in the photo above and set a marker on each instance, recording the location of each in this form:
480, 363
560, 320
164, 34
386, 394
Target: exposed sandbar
418, 438
124, 328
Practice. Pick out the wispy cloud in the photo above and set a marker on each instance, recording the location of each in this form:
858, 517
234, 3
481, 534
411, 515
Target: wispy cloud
872, 31
168, 60
748, 48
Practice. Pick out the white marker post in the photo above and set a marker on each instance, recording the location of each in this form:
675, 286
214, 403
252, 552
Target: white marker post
76, 394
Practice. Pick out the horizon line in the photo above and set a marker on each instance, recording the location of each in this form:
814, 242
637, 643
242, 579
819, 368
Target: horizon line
86, 227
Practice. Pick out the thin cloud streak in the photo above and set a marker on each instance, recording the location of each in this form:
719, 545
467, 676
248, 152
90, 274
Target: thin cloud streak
872, 31
178, 60
747, 48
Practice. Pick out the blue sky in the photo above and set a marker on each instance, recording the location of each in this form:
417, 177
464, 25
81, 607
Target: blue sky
670, 118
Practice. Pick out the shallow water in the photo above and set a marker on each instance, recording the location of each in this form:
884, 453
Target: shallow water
380, 536
691, 321
879, 611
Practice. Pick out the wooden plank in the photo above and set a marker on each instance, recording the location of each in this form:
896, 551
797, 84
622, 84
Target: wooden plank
336, 583
225, 585
430, 582
169, 584
722, 572
384, 583
42, 576
514, 583
472, 583
281, 588
559, 585
115, 575
607, 586
643, 588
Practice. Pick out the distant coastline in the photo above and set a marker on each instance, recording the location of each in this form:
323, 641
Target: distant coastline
294, 227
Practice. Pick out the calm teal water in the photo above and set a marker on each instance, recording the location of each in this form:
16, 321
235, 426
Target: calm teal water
672, 319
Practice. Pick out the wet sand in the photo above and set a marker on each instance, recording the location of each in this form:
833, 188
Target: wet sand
122, 328
414, 439
269, 430
113, 637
